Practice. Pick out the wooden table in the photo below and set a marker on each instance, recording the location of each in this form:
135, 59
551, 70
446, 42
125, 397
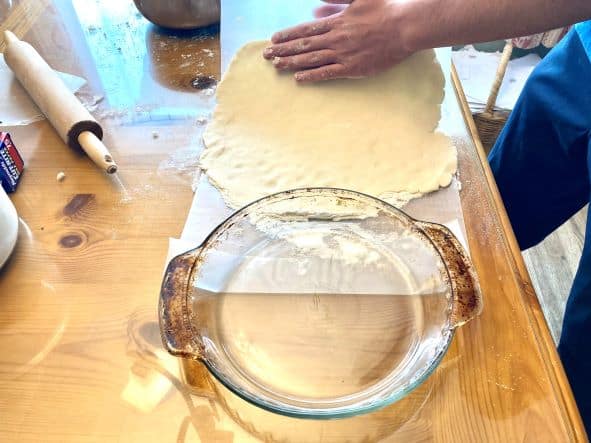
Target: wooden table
81, 354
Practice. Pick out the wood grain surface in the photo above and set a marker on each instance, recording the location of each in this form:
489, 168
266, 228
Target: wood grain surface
21, 17
82, 359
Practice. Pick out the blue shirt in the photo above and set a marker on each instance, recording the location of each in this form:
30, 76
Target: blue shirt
584, 30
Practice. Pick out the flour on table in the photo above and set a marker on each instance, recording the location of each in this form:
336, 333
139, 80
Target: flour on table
375, 135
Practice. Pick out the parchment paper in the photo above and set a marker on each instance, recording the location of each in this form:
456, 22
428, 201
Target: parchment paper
208, 209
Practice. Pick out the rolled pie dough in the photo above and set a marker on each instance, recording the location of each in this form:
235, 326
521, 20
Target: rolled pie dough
374, 135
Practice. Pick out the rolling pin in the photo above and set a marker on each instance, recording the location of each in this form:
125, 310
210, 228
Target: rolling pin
69, 117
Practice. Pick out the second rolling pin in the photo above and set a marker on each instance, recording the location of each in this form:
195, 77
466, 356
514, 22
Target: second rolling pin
70, 119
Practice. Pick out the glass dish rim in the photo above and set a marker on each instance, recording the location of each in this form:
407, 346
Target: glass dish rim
339, 411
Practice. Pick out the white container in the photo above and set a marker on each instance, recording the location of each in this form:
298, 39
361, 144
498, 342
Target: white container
8, 227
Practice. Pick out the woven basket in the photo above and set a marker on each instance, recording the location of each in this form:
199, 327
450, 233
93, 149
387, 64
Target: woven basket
490, 122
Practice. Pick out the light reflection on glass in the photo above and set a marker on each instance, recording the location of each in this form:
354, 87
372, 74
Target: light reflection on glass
145, 73
120, 73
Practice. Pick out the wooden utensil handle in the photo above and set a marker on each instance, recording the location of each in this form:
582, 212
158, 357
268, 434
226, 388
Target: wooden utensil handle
72, 121
97, 151
499, 76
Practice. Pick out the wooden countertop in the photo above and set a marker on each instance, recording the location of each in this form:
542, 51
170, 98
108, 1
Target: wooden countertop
81, 353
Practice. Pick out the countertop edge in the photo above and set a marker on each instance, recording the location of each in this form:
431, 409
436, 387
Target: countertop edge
531, 303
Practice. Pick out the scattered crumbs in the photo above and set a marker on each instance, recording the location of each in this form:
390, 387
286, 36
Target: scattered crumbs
182, 165
208, 52
61, 176
112, 114
503, 386
91, 103
155, 134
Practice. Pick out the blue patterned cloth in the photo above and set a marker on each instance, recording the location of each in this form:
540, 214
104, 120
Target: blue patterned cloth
542, 165
584, 30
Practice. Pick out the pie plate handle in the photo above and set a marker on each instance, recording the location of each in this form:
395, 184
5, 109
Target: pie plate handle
177, 335
466, 294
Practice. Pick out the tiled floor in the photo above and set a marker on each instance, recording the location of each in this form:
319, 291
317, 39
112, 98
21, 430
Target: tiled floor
552, 266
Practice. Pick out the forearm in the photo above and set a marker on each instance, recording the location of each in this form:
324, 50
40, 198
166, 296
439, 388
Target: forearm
437, 23
370, 36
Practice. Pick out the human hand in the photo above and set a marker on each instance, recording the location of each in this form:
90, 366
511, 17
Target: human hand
328, 10
361, 39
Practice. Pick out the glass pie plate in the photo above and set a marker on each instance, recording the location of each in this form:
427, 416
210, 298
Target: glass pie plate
319, 302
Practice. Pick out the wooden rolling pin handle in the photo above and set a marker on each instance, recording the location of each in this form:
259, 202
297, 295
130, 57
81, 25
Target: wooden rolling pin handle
9, 37
78, 128
97, 151
72, 121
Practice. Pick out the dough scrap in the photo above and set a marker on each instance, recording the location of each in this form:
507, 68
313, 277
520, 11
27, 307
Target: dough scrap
375, 135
